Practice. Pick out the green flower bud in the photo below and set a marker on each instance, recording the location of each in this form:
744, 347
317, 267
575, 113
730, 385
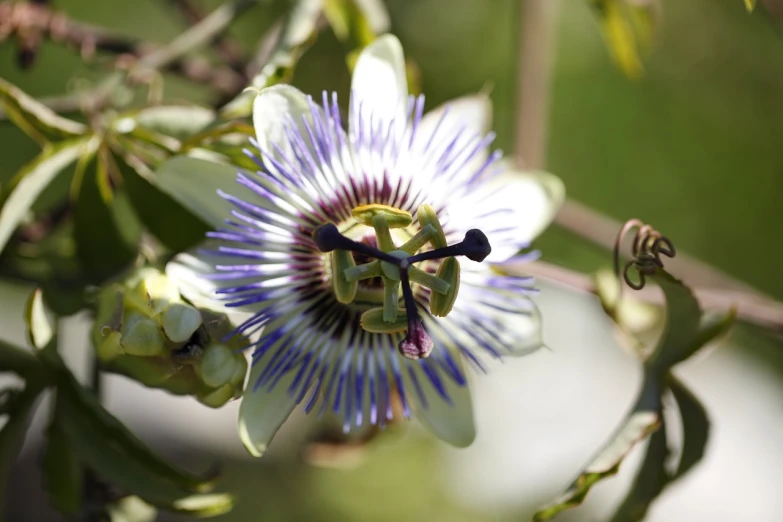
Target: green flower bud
147, 332
109, 347
180, 321
217, 365
220, 396
142, 336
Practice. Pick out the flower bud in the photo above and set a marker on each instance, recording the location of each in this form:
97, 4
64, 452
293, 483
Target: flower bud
217, 365
142, 336
180, 321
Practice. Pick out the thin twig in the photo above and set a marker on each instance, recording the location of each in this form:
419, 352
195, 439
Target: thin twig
534, 68
752, 308
197, 35
24, 18
229, 51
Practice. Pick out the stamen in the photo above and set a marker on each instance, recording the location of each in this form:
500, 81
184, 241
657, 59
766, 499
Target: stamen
328, 238
475, 247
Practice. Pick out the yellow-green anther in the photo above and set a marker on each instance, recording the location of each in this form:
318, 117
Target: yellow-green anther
391, 296
109, 348
365, 271
431, 281
372, 320
143, 337
422, 237
441, 304
180, 321
395, 217
344, 290
427, 216
382, 233
220, 396
217, 365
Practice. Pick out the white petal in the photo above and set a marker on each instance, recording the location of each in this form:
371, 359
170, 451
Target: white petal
262, 412
512, 209
453, 422
271, 110
195, 182
504, 318
379, 83
188, 270
468, 116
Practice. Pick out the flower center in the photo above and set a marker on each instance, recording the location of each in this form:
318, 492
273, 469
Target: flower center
394, 266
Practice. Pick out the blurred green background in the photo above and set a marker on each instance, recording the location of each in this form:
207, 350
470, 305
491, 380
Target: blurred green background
693, 147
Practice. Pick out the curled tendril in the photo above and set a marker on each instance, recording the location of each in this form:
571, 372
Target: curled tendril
646, 249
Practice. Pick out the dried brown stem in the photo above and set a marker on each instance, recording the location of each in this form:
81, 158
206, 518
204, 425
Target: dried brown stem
31, 23
229, 51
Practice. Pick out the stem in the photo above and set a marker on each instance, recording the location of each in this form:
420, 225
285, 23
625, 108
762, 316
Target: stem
751, 308
534, 68
197, 36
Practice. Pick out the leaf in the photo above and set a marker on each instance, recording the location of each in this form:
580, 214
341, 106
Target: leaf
179, 121
695, 427
650, 481
297, 34
30, 181
106, 241
83, 409
96, 446
627, 30
40, 327
682, 323
357, 21
34, 118
62, 474
13, 433
750, 5
194, 184
645, 418
18, 360
165, 218
711, 326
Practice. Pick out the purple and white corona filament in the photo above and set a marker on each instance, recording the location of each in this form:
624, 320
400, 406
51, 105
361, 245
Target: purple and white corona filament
361, 254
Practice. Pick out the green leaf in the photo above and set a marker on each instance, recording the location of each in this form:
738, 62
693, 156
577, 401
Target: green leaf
644, 419
750, 5
13, 433
34, 118
18, 360
194, 184
682, 323
81, 407
137, 471
166, 219
650, 481
179, 121
298, 33
357, 21
695, 427
627, 30
711, 326
62, 474
41, 329
106, 241
32, 179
